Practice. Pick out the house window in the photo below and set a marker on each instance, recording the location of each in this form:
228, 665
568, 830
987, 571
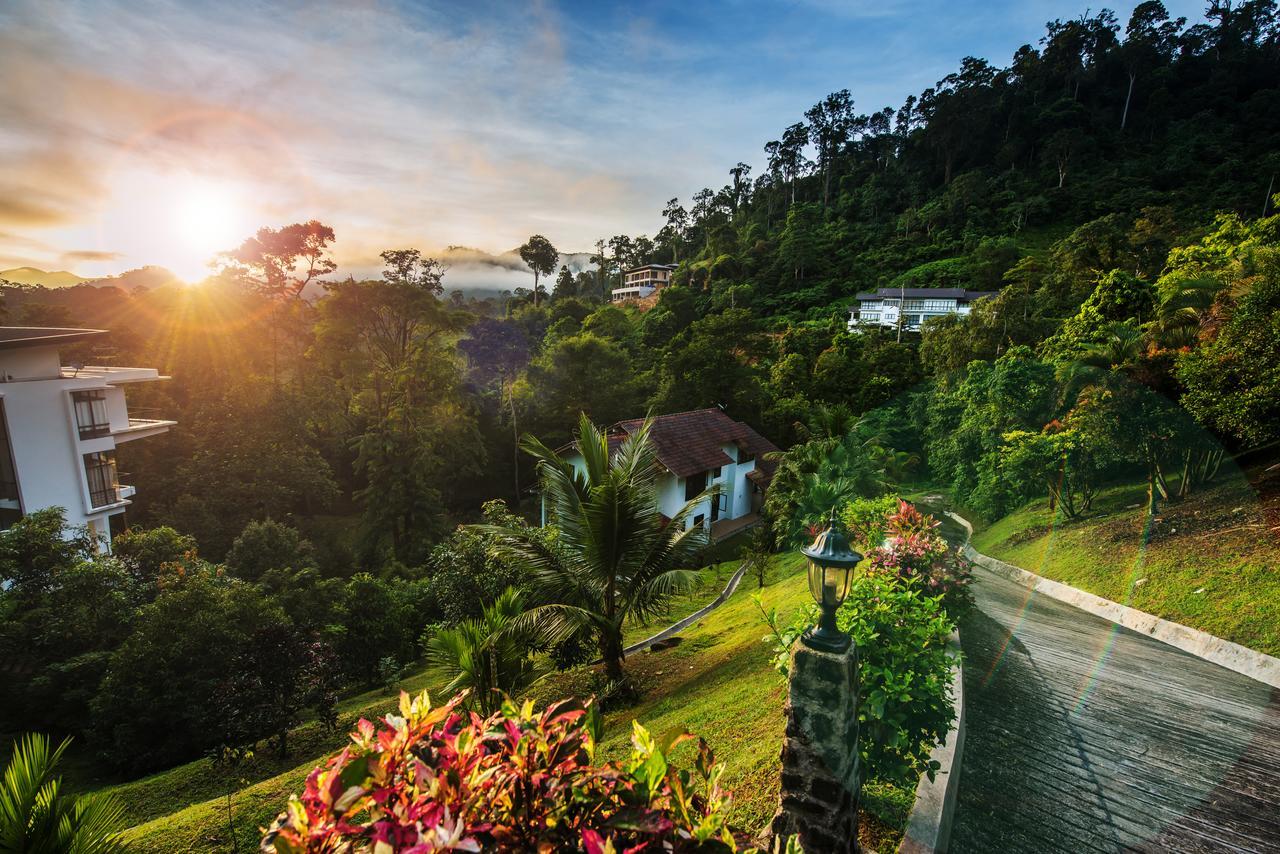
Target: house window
100, 471
698, 520
8, 475
695, 485
91, 413
715, 472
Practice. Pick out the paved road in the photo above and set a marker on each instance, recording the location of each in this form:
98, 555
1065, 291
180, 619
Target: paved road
1086, 737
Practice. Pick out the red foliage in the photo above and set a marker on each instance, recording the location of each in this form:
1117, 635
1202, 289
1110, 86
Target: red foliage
440, 779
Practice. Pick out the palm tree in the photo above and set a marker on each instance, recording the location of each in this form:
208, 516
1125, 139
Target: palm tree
1183, 311
616, 557
490, 656
38, 816
1119, 347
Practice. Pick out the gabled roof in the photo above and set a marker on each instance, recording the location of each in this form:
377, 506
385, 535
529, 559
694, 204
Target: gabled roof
690, 442
932, 293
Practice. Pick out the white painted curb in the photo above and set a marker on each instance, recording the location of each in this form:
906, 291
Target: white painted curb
929, 825
1233, 656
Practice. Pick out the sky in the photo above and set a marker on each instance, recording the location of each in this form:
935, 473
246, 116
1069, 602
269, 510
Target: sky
162, 131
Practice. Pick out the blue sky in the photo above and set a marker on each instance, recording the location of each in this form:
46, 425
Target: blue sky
158, 131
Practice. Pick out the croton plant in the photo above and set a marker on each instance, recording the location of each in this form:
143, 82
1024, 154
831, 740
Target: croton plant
438, 779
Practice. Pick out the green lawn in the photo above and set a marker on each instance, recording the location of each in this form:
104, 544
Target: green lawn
720, 665
1211, 561
716, 682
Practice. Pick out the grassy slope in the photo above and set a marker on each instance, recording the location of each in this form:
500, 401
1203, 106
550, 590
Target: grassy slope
717, 682
1212, 562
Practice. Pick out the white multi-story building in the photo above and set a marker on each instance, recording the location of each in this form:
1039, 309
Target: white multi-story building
912, 306
640, 282
59, 428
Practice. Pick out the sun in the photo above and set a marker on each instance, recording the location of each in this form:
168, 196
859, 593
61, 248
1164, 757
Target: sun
208, 219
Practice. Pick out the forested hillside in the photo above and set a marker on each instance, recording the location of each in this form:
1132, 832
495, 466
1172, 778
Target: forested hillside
1114, 182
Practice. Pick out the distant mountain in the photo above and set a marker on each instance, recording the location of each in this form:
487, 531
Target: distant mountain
147, 277
32, 276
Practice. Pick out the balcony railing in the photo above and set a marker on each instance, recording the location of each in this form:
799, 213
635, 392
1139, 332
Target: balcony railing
104, 497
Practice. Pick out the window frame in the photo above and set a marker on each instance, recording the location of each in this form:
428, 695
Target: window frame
102, 478
91, 402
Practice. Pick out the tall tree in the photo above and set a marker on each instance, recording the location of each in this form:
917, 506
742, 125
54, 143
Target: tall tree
564, 284
541, 256
831, 121
279, 263
409, 268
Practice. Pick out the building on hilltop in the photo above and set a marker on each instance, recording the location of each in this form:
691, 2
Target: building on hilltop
698, 450
59, 428
913, 306
641, 282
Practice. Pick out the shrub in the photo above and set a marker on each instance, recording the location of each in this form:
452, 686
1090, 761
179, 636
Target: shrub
145, 552
265, 545
904, 671
904, 701
865, 520
912, 548
518, 780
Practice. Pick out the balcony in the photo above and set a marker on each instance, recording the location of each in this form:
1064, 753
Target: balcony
112, 376
141, 428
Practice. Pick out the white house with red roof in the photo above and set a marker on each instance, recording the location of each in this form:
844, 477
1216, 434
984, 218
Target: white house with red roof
698, 450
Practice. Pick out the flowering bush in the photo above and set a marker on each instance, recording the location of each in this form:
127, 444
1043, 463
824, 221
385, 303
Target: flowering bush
913, 548
438, 779
904, 670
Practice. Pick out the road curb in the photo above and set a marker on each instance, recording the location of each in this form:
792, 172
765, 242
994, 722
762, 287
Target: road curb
1248, 662
929, 824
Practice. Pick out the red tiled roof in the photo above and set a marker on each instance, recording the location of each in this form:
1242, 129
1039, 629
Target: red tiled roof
689, 442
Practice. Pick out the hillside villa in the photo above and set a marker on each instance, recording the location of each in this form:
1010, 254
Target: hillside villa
641, 282
59, 428
913, 306
698, 450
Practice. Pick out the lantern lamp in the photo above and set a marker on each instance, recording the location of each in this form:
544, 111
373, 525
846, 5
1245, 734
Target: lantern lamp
831, 562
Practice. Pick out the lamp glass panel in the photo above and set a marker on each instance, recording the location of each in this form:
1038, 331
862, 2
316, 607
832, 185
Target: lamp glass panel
815, 582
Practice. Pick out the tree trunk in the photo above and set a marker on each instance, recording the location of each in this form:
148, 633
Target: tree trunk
231, 825
1125, 117
515, 443
611, 653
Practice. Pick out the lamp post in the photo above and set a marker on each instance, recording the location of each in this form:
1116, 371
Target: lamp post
831, 562
818, 798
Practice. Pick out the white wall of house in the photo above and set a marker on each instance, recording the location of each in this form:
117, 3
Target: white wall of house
735, 489
884, 312
44, 439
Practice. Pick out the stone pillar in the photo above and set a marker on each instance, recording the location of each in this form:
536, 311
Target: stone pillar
819, 798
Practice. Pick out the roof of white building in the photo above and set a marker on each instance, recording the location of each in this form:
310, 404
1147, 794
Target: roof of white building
959, 294
690, 442
650, 267
14, 337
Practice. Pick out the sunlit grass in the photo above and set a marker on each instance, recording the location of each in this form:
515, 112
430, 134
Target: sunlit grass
1211, 564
